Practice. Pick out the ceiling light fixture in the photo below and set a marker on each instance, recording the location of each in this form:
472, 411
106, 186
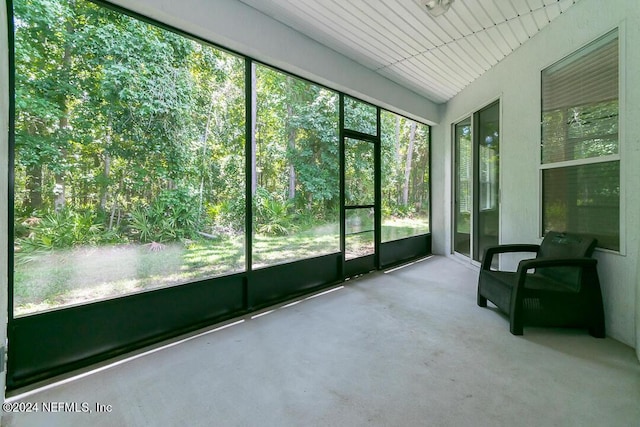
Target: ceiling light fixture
436, 7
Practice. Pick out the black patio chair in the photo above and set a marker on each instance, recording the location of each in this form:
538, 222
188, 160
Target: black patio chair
559, 287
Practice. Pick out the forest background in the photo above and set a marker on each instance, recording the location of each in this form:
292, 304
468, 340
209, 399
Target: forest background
129, 169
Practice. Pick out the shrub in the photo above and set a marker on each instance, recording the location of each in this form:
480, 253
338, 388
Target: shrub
63, 229
397, 210
271, 214
171, 216
228, 215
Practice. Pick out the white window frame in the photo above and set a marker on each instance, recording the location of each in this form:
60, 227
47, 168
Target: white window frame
620, 29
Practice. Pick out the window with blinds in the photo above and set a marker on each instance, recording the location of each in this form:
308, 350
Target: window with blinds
580, 160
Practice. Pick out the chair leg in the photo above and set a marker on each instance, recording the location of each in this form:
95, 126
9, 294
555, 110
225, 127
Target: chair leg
516, 329
482, 301
515, 320
597, 331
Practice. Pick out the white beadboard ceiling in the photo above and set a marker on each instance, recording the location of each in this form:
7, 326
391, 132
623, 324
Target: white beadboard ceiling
433, 56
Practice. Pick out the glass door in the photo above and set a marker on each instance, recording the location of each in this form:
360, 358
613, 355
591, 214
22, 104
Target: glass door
359, 191
476, 215
361, 186
487, 186
463, 202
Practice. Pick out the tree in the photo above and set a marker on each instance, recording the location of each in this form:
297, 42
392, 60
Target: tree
44, 88
109, 111
407, 169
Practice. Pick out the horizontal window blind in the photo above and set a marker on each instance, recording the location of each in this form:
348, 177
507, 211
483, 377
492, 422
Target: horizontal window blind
580, 123
584, 199
585, 77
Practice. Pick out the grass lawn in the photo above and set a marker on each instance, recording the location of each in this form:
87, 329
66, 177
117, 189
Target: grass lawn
399, 228
52, 279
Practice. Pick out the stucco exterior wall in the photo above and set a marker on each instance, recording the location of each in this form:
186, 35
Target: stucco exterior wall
516, 82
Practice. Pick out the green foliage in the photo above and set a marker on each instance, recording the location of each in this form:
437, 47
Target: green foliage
116, 112
63, 229
171, 216
580, 132
397, 210
359, 116
297, 130
129, 133
405, 144
272, 215
228, 215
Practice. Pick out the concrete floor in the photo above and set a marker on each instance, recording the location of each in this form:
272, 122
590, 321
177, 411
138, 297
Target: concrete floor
405, 348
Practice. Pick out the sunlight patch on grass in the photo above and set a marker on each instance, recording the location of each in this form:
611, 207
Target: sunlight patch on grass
45, 280
270, 250
51, 279
400, 228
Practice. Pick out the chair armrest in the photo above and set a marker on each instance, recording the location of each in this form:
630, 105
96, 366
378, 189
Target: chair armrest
499, 249
529, 264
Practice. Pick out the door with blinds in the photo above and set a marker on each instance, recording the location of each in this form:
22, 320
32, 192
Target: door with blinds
476, 192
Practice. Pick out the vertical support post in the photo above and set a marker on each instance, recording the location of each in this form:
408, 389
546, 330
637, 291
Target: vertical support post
249, 153
341, 184
7, 113
377, 165
637, 343
475, 209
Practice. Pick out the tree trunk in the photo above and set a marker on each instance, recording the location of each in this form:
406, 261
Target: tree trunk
407, 168
292, 178
422, 186
205, 137
59, 190
397, 142
63, 121
114, 207
107, 170
33, 198
292, 143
